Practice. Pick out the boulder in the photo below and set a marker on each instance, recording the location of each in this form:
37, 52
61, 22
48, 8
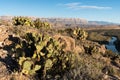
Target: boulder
69, 44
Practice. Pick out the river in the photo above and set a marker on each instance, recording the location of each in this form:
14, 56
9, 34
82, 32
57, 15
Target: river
111, 45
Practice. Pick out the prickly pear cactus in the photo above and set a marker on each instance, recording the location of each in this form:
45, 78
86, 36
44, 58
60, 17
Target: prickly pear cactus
43, 53
39, 24
22, 21
80, 34
28, 66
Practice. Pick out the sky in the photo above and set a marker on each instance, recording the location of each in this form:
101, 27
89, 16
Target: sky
94, 10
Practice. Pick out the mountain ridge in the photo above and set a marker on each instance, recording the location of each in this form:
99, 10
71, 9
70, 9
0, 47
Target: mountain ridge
66, 21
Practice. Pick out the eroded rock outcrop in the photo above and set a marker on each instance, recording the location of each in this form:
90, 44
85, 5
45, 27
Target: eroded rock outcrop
69, 43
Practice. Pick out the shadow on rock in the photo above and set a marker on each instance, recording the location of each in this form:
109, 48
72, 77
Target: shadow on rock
9, 60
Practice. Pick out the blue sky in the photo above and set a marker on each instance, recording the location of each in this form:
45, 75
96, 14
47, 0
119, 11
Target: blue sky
100, 10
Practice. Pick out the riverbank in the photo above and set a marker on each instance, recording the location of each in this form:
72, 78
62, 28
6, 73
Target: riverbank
111, 45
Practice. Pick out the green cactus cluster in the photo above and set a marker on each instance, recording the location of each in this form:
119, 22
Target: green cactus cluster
39, 24
80, 33
26, 21
28, 66
22, 21
38, 52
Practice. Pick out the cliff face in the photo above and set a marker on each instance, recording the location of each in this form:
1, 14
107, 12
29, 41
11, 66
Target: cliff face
65, 20
54, 20
6, 17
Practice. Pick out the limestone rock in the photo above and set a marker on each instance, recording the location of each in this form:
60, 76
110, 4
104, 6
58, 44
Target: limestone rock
3, 53
69, 43
3, 71
3, 33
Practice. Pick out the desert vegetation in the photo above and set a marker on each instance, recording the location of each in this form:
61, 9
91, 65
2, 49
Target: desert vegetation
34, 50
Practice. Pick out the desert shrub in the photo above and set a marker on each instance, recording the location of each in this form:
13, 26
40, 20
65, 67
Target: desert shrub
80, 34
110, 54
22, 21
42, 55
25, 21
61, 31
91, 49
69, 31
87, 68
39, 24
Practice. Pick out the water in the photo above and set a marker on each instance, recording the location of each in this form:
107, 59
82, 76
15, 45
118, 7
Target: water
111, 45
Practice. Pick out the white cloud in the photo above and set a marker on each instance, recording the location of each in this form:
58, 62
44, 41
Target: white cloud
92, 7
72, 4
77, 5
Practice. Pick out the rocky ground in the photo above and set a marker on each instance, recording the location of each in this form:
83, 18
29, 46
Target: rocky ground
7, 62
